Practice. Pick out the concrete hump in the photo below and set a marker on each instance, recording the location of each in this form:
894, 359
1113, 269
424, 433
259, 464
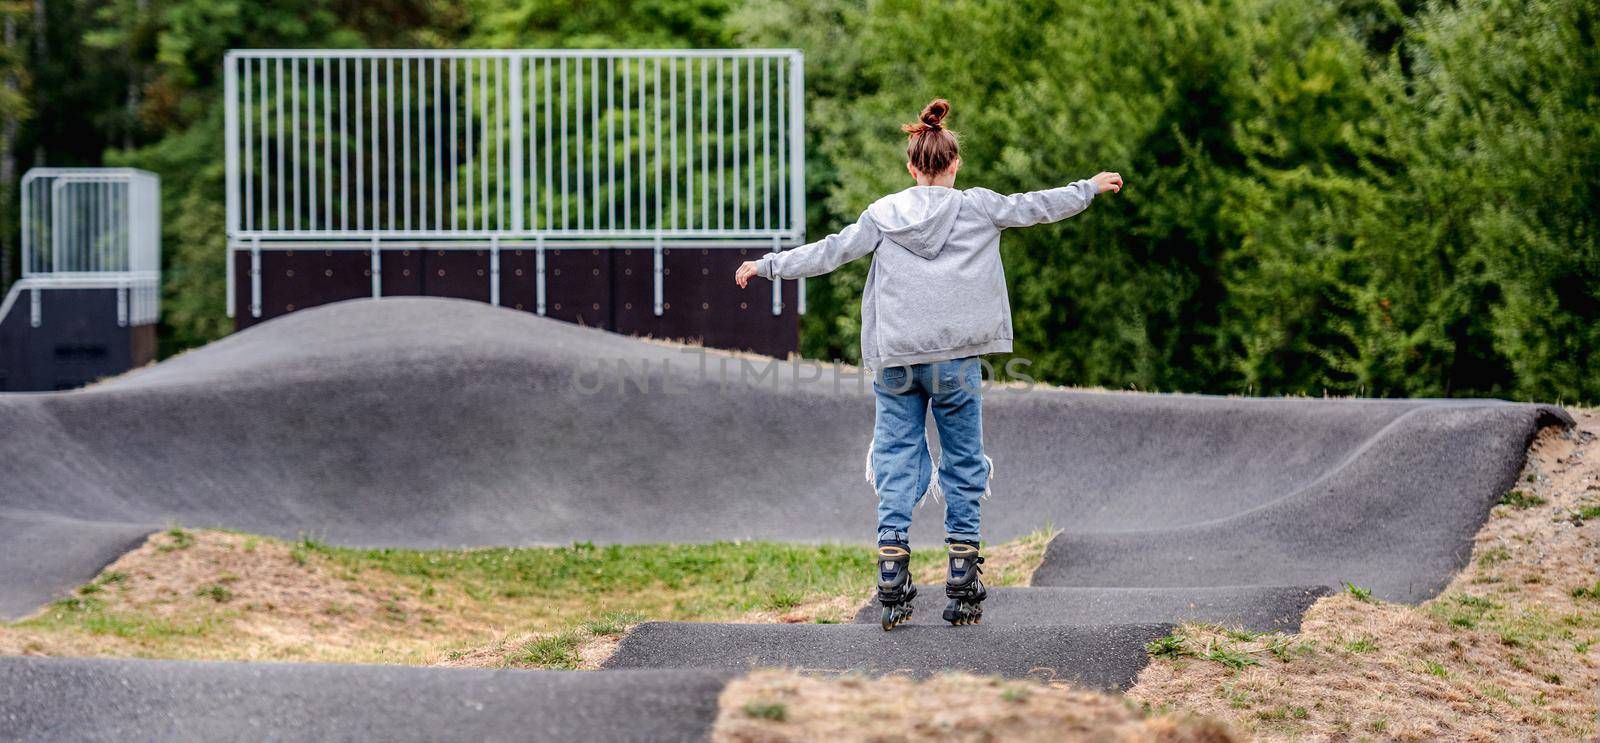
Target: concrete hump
435, 423
1101, 657
1256, 608
82, 699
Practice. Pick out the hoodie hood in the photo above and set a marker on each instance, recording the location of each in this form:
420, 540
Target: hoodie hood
919, 218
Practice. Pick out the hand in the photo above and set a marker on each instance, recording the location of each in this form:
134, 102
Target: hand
747, 271
1107, 181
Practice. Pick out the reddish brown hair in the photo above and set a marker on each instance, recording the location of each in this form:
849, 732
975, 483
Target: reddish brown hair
932, 148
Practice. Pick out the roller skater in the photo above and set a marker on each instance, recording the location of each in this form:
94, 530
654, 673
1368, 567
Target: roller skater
963, 585
935, 303
895, 589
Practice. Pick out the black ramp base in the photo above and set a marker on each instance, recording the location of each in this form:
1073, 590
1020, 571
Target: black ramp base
57, 699
1258, 608
1106, 657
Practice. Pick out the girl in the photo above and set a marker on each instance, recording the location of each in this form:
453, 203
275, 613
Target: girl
935, 300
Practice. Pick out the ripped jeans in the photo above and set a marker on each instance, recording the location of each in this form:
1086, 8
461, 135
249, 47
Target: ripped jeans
900, 466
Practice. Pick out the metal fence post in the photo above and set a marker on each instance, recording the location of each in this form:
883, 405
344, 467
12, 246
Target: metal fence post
122, 306
233, 298
230, 108
777, 283
377, 268
255, 278
657, 288
515, 91
494, 271
538, 260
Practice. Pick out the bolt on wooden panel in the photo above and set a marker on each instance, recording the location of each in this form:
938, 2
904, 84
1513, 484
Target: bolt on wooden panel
463, 274
578, 285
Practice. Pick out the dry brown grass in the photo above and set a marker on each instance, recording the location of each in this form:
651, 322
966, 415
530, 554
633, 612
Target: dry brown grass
579, 649
1506, 652
213, 595
784, 706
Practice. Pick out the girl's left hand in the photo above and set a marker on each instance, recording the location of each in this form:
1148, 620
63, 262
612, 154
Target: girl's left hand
1108, 181
747, 271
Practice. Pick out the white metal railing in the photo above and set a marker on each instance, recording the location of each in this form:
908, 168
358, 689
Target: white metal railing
572, 144
466, 149
92, 228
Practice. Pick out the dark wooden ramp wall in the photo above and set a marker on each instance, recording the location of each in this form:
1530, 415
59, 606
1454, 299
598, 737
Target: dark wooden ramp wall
605, 288
77, 343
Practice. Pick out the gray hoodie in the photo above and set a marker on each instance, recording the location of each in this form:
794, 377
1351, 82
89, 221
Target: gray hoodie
936, 289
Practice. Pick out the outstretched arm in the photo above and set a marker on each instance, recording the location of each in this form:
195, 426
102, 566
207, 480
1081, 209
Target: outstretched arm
1042, 207
814, 259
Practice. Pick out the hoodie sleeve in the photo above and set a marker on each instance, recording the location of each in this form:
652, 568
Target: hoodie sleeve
1036, 207
822, 256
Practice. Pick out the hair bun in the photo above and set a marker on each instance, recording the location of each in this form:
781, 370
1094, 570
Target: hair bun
933, 115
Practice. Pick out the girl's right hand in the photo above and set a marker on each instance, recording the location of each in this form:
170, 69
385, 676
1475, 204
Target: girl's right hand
1107, 181
745, 273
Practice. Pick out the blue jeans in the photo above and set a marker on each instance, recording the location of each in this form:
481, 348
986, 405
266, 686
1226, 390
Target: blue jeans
902, 470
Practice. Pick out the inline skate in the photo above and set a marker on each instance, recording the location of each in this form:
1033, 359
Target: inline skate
895, 588
963, 586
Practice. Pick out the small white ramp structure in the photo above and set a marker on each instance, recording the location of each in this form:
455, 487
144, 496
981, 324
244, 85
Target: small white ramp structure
89, 297
610, 187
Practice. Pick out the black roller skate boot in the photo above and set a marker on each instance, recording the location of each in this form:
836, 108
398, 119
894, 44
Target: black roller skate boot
963, 585
895, 589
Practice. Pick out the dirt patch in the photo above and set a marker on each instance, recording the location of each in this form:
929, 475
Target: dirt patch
784, 706
218, 595
1509, 650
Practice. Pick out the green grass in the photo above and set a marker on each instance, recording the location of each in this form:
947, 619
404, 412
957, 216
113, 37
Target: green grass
660, 581
1464, 611
1521, 499
92, 616
1015, 694
613, 623
1182, 642
177, 539
558, 651
216, 592
1494, 556
774, 711
1359, 593
1362, 645
1278, 714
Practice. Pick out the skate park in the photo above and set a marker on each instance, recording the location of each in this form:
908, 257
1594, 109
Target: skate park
478, 309
1133, 480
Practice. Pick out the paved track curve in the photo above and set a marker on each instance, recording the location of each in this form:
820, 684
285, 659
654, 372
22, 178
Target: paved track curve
82, 699
441, 423
444, 423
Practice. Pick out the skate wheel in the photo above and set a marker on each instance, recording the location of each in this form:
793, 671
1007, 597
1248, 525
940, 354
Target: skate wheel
895, 616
